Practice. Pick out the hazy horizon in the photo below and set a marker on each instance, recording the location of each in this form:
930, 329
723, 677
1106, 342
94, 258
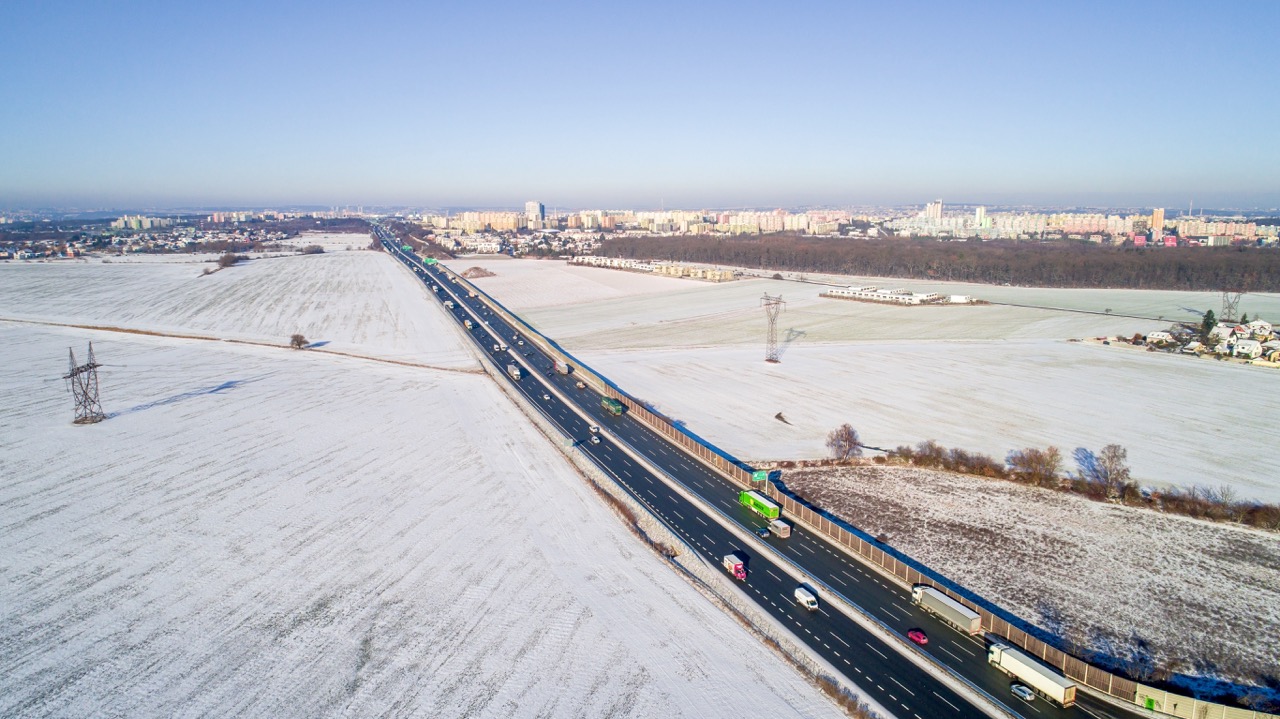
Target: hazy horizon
661, 104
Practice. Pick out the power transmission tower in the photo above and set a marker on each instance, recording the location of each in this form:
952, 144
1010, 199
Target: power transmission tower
1230, 303
772, 307
82, 380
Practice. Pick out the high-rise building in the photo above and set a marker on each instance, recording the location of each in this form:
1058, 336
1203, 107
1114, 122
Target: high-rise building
534, 211
980, 216
933, 211
1157, 222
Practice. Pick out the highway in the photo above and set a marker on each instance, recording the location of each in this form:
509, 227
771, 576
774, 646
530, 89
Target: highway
864, 657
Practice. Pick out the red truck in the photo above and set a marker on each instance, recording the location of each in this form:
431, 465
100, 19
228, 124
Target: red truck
736, 566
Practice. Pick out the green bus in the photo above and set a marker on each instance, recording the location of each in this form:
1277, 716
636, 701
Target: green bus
407, 248
612, 406
759, 504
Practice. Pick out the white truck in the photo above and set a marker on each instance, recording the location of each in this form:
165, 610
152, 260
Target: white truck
514, 371
951, 611
562, 367
1041, 679
467, 324
806, 599
780, 529
735, 566
448, 303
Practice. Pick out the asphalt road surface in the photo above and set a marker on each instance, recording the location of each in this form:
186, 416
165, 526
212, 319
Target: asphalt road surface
864, 657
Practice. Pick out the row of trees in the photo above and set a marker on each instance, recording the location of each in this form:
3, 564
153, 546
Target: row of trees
1100, 476
1043, 264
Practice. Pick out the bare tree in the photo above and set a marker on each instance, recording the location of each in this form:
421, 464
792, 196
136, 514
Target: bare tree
1036, 466
844, 443
1113, 463
298, 342
228, 259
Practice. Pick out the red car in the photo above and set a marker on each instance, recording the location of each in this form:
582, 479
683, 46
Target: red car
918, 636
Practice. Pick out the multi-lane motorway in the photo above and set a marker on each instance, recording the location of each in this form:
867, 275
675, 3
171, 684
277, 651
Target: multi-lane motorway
875, 664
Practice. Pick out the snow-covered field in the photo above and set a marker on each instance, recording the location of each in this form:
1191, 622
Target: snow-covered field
266, 532
984, 378
346, 301
1205, 597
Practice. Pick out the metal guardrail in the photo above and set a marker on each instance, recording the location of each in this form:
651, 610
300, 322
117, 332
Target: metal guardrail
1073, 667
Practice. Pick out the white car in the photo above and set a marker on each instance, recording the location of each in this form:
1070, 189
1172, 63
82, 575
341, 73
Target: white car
1022, 692
595, 439
546, 396
594, 429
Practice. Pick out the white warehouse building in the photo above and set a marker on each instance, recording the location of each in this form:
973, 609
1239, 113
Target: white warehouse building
875, 294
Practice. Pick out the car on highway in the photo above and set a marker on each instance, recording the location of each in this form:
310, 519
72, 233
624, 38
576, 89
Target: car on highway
918, 636
763, 532
594, 429
520, 342
1022, 692
546, 397
595, 439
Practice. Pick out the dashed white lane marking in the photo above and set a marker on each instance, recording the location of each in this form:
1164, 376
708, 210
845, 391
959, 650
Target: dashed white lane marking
895, 681
953, 706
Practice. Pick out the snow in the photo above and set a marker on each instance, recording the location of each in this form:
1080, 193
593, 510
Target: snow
1204, 596
344, 301
989, 379
541, 283
982, 378
989, 397
268, 532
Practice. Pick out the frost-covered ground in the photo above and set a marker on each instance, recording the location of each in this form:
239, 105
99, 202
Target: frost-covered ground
265, 532
984, 378
1205, 597
345, 301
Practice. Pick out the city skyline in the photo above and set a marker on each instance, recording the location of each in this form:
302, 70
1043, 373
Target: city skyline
715, 105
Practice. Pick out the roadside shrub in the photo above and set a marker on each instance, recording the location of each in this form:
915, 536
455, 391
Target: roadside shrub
1039, 467
312, 250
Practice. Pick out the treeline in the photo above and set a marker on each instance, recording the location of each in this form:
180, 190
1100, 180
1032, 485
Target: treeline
295, 226
1102, 477
1058, 263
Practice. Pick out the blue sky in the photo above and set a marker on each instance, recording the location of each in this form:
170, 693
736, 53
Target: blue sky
611, 104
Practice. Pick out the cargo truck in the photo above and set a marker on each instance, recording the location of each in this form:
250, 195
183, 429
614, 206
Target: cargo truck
562, 367
759, 504
448, 303
467, 324
735, 566
951, 611
780, 529
1041, 679
612, 406
514, 371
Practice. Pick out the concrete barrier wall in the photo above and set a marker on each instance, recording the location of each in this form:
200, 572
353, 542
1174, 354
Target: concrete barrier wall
906, 575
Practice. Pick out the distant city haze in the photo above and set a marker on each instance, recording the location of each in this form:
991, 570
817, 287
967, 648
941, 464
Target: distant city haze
644, 105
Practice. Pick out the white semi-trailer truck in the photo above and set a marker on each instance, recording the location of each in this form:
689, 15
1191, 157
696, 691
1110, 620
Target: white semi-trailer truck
1041, 679
955, 613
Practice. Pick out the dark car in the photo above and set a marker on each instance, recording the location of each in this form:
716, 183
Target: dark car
763, 532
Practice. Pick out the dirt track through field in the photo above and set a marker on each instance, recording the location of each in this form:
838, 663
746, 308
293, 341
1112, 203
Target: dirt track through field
152, 333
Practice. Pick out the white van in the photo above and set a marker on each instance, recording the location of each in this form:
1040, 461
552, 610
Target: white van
806, 599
